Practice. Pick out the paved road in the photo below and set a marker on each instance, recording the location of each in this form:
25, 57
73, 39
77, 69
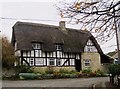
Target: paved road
77, 82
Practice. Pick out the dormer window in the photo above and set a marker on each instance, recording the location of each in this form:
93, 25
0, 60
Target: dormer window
36, 45
58, 47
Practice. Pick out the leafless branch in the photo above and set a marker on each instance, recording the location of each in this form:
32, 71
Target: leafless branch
96, 16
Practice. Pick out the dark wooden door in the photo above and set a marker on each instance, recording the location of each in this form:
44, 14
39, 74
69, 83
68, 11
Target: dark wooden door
78, 65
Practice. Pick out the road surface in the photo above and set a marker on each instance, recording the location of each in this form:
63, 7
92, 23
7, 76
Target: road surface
76, 82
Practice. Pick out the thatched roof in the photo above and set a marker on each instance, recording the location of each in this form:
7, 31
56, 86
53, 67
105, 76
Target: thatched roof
72, 40
24, 33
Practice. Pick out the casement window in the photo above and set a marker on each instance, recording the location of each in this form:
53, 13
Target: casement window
39, 61
31, 62
72, 61
90, 42
58, 62
58, 47
87, 62
51, 62
36, 45
89, 48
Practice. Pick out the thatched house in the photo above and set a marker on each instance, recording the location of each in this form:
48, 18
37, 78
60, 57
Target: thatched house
41, 45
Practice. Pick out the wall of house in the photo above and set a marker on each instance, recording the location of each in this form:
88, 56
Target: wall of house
40, 58
104, 67
43, 69
94, 60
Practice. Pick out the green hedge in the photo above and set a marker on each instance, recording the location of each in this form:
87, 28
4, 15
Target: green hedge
29, 76
114, 69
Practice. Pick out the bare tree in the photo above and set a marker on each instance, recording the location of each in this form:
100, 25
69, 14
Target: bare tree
8, 57
97, 16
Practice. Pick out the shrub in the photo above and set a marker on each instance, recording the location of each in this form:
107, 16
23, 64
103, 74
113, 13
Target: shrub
49, 70
48, 76
73, 71
57, 74
78, 74
63, 71
99, 73
87, 71
114, 69
29, 76
67, 71
24, 69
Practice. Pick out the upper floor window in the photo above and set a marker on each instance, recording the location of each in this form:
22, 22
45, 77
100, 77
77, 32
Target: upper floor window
58, 47
89, 42
36, 45
90, 47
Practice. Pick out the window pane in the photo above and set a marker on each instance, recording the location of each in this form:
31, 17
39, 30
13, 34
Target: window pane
39, 61
58, 62
87, 62
36, 45
58, 47
31, 62
51, 61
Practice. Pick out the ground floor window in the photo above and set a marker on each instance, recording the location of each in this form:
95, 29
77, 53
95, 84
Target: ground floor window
87, 62
41, 61
51, 62
58, 62
32, 62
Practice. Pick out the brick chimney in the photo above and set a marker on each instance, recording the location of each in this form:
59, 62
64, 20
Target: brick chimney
62, 22
62, 25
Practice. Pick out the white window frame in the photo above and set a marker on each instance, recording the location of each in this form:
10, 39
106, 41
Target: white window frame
89, 42
36, 45
58, 62
89, 48
39, 61
58, 47
31, 62
87, 62
52, 60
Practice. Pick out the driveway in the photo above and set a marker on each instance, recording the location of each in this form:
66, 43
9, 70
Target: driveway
76, 82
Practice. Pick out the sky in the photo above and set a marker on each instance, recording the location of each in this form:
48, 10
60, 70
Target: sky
38, 11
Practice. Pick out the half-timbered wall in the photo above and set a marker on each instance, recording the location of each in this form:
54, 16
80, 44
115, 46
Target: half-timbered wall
37, 57
90, 47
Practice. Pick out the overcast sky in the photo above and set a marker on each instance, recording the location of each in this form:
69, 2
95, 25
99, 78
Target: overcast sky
35, 11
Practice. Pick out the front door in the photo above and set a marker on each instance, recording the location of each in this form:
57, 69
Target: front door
78, 65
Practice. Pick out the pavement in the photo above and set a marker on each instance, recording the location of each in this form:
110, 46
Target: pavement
77, 83
105, 85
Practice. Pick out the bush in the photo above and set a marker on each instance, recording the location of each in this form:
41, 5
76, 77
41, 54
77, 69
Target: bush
57, 74
67, 71
29, 76
49, 70
63, 71
11, 77
114, 69
48, 76
87, 71
99, 73
24, 69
